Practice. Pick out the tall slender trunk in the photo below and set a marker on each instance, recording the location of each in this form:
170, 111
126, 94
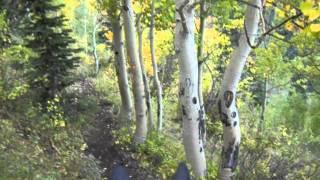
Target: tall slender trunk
137, 79
227, 98
120, 65
85, 27
193, 124
200, 57
155, 69
263, 104
145, 78
94, 43
201, 30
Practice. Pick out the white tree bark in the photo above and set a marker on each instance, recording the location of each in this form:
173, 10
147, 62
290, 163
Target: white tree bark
145, 78
120, 65
85, 28
155, 69
137, 81
193, 124
94, 43
200, 58
227, 98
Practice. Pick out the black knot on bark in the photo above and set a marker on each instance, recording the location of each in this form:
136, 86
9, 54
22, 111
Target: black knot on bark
233, 114
125, 8
228, 98
183, 110
194, 100
224, 119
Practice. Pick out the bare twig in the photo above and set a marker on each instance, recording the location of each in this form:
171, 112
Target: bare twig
281, 39
260, 39
54, 147
210, 70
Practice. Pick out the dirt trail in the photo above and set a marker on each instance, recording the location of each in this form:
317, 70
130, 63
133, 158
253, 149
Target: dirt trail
101, 144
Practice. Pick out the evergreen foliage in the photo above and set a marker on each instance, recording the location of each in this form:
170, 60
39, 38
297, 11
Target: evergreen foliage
48, 37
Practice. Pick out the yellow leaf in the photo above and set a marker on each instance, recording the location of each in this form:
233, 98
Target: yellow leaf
315, 27
287, 7
313, 14
137, 7
289, 26
308, 9
280, 13
269, 3
83, 147
109, 35
306, 6
59, 123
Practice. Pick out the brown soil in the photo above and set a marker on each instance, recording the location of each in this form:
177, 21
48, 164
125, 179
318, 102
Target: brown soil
101, 144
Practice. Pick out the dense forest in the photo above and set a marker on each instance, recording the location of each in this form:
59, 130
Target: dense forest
160, 89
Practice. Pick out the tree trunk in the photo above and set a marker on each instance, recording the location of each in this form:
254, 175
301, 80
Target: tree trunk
120, 65
200, 58
137, 79
85, 29
145, 78
94, 43
201, 31
193, 124
263, 104
155, 69
227, 98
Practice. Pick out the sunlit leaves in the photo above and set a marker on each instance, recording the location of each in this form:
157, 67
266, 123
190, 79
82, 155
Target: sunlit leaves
310, 9
315, 28
234, 24
109, 35
68, 9
162, 47
270, 64
214, 39
140, 6
3, 23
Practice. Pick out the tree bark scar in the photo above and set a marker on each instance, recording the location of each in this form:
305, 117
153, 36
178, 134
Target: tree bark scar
148, 105
235, 123
231, 154
116, 53
228, 97
183, 110
219, 106
125, 8
201, 125
188, 82
224, 119
194, 100
181, 93
233, 114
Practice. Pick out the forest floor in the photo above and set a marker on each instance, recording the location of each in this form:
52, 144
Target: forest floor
102, 145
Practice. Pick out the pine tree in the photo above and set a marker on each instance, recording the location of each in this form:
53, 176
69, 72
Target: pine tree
51, 40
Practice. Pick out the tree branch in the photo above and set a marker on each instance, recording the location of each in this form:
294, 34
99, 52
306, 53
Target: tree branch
261, 38
182, 16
